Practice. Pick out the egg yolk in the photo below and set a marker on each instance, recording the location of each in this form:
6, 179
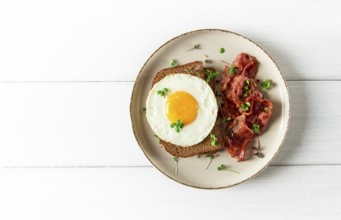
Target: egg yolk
181, 105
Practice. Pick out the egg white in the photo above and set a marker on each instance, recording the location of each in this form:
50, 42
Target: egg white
194, 132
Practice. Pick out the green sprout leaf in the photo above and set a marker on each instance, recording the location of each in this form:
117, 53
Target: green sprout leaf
213, 139
232, 70
162, 92
223, 167
172, 62
222, 50
246, 106
256, 128
178, 125
210, 156
247, 90
266, 84
211, 75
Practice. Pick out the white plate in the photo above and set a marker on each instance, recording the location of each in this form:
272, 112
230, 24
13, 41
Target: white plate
191, 171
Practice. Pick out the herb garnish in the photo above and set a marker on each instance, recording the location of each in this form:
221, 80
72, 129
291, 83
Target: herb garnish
258, 149
232, 70
172, 62
259, 154
222, 50
227, 119
266, 84
223, 61
196, 46
247, 88
178, 125
256, 128
211, 156
246, 106
213, 139
266, 109
144, 109
158, 138
176, 164
223, 167
162, 92
208, 61
218, 94
211, 75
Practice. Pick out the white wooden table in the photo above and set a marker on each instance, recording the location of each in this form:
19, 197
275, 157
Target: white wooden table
67, 149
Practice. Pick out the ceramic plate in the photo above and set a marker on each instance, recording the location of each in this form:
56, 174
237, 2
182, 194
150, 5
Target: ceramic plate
192, 171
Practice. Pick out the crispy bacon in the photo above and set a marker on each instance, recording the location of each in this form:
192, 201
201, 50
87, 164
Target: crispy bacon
238, 89
225, 78
240, 135
247, 65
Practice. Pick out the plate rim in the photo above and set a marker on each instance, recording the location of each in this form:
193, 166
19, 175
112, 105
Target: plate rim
209, 30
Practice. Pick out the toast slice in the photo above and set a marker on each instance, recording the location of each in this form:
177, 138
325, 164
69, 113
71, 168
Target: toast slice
196, 69
203, 147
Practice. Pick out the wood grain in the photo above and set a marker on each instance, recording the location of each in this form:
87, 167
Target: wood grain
143, 193
100, 41
88, 124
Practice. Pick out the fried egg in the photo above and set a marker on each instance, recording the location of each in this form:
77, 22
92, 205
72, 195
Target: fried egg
181, 99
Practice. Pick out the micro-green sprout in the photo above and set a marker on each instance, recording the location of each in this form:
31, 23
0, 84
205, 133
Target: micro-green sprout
178, 125
162, 92
266, 84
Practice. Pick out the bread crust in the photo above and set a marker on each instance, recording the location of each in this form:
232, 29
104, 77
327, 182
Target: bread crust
203, 147
194, 68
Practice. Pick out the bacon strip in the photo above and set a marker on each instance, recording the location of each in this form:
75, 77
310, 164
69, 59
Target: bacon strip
247, 65
238, 132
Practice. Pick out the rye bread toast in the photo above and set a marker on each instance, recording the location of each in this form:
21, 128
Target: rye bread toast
203, 147
196, 69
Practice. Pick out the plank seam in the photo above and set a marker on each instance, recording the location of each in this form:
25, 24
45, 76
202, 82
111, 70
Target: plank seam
145, 166
131, 81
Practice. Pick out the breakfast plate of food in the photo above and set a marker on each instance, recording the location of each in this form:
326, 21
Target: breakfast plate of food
210, 109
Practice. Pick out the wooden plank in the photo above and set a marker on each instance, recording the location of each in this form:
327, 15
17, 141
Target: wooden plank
88, 124
67, 124
306, 192
83, 41
313, 133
